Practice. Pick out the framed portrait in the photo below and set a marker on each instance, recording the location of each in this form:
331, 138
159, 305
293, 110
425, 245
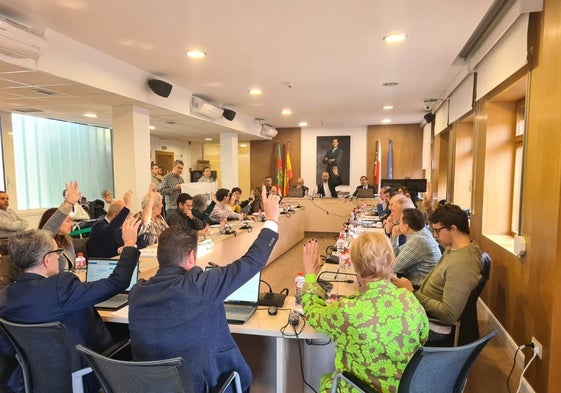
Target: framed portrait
333, 156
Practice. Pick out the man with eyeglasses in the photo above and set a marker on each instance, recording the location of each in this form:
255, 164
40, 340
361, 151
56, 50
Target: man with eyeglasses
43, 294
445, 291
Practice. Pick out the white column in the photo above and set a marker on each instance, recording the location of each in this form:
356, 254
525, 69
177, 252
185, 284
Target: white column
229, 160
131, 152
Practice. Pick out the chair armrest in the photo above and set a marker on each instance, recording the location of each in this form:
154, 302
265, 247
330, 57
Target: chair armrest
232, 377
115, 350
77, 381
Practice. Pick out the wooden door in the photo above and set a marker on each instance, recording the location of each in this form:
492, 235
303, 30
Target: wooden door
165, 159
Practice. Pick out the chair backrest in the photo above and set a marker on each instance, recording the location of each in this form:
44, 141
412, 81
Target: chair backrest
469, 328
46, 354
441, 369
119, 376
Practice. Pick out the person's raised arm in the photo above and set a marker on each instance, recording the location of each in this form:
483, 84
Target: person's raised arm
129, 231
147, 211
310, 256
270, 205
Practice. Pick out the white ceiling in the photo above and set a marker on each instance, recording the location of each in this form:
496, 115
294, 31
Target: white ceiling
323, 59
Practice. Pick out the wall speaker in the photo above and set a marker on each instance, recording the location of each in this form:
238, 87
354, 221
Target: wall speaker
159, 87
429, 117
229, 114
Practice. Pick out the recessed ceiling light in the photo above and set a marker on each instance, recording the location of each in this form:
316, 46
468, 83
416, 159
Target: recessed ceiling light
208, 139
390, 84
387, 107
195, 54
243, 144
303, 124
395, 38
90, 115
152, 127
286, 112
386, 121
255, 92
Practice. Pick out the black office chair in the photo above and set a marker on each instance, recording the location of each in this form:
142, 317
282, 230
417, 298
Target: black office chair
431, 369
47, 357
466, 329
118, 376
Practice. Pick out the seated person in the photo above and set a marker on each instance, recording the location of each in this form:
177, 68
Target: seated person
365, 186
206, 177
376, 330
416, 258
327, 186
58, 222
257, 205
10, 221
153, 224
105, 238
183, 214
445, 291
44, 294
107, 199
201, 210
180, 311
300, 186
220, 211
398, 203
234, 201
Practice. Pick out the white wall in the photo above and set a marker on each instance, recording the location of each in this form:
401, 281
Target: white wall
358, 162
188, 152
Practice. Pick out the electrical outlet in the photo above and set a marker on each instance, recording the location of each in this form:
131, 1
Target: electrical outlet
537, 347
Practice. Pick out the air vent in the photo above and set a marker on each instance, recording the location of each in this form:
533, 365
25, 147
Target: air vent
171, 122
26, 110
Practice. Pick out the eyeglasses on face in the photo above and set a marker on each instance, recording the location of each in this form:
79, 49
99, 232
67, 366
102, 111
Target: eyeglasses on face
59, 251
436, 231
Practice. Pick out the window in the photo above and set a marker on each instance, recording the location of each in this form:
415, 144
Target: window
49, 153
518, 147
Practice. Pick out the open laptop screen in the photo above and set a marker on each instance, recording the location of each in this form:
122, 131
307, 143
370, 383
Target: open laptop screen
247, 293
102, 268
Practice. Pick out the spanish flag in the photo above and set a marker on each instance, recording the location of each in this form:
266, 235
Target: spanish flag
287, 170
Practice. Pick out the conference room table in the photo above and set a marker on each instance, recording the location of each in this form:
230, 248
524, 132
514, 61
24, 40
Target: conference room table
271, 346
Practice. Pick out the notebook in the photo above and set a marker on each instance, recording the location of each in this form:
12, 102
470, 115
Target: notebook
99, 268
241, 304
365, 193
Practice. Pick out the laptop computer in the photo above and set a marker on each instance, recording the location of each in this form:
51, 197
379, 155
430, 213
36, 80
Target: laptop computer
295, 192
241, 304
365, 193
99, 268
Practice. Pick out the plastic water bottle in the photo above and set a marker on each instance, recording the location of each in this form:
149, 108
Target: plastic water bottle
80, 262
340, 243
299, 283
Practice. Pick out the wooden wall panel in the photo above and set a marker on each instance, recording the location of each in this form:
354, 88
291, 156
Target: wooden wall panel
463, 164
263, 156
523, 293
407, 149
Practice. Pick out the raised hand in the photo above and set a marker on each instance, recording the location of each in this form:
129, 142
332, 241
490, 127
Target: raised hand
270, 205
310, 256
72, 194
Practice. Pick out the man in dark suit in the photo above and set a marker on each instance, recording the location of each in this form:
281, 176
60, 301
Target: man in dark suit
180, 311
41, 294
365, 186
327, 186
105, 238
332, 159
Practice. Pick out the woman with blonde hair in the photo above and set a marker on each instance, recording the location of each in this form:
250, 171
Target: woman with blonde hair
378, 328
153, 224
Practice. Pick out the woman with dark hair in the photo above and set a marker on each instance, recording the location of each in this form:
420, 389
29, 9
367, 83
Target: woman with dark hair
60, 225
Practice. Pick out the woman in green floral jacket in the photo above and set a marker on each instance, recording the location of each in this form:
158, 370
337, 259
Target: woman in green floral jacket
376, 330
